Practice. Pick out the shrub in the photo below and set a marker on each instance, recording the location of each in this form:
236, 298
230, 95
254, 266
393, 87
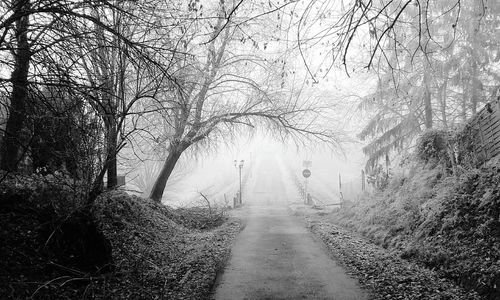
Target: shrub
47, 238
378, 177
432, 146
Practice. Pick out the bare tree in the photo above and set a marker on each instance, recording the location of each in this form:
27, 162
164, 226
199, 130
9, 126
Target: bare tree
104, 53
119, 79
178, 75
377, 27
40, 27
14, 140
224, 85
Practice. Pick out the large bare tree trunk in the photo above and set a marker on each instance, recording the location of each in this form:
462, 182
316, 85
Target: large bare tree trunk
174, 154
14, 138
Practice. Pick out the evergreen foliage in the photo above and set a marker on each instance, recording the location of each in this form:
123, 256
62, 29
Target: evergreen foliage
433, 145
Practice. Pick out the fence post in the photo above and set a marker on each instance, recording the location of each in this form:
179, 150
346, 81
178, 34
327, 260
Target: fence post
236, 200
363, 187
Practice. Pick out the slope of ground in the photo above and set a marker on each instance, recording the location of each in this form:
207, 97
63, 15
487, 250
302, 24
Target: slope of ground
447, 223
383, 273
125, 248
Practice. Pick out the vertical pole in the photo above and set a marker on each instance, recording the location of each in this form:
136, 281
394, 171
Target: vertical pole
340, 190
340, 182
240, 183
305, 191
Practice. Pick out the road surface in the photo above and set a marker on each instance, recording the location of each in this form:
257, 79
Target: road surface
275, 257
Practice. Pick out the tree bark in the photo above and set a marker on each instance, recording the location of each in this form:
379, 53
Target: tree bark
474, 87
112, 173
443, 95
14, 138
96, 187
427, 102
174, 154
464, 102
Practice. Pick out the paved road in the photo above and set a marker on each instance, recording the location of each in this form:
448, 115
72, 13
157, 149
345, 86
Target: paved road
275, 257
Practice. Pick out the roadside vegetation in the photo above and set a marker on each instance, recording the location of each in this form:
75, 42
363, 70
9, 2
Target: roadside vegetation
124, 247
441, 215
380, 271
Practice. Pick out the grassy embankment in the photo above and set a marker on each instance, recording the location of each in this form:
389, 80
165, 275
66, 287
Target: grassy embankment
448, 223
123, 247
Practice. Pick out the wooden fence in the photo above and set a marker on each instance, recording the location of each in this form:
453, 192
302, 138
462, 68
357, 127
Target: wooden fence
483, 132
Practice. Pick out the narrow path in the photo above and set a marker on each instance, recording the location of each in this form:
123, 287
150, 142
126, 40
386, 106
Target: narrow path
275, 257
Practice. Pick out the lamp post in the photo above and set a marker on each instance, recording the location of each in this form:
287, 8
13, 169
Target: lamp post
240, 166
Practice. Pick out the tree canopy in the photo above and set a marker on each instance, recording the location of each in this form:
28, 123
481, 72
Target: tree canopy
144, 75
155, 78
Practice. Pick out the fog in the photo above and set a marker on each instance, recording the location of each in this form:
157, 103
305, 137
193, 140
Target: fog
289, 83
215, 175
145, 145
212, 172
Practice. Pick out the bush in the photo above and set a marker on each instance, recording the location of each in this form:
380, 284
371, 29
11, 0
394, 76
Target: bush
432, 146
61, 132
378, 177
47, 235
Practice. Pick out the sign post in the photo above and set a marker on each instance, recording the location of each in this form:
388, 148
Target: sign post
306, 173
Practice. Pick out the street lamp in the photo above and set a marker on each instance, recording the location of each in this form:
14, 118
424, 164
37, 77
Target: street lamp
240, 166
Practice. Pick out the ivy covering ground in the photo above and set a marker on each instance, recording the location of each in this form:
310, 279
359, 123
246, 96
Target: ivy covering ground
447, 223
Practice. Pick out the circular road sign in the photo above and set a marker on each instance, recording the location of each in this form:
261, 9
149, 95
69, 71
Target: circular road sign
306, 173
